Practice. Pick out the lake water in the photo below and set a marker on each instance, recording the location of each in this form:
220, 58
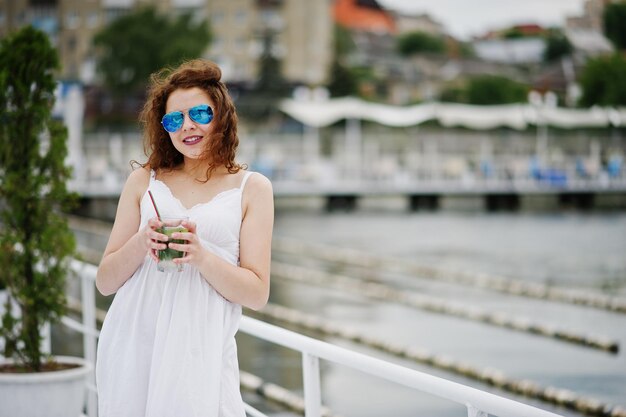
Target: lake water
567, 249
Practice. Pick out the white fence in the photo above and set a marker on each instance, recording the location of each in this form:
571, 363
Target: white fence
388, 162
478, 403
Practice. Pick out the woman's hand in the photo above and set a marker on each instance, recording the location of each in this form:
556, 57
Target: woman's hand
153, 239
193, 249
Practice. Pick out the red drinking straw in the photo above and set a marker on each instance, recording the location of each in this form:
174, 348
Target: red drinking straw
154, 205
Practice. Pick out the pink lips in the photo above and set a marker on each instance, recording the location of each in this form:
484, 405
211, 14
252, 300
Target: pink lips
192, 140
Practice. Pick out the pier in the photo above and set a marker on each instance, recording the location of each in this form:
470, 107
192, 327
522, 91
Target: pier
364, 277
478, 403
100, 200
423, 168
490, 195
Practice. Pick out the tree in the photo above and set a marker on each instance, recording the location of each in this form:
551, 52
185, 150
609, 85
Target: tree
614, 28
343, 42
35, 238
493, 89
603, 82
343, 80
140, 43
458, 49
260, 102
513, 33
420, 42
270, 81
484, 90
557, 46
453, 94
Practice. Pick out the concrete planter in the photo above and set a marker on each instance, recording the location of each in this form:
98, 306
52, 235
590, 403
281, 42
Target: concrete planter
45, 394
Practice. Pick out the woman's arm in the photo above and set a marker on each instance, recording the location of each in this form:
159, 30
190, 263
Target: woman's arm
127, 247
249, 283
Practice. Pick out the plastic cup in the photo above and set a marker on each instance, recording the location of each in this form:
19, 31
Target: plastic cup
167, 255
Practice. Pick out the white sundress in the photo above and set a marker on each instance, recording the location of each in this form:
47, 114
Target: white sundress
167, 346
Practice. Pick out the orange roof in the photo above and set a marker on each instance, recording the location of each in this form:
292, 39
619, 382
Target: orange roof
352, 15
530, 29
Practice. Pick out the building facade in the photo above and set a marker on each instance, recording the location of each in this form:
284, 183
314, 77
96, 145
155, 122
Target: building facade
406, 23
591, 18
302, 32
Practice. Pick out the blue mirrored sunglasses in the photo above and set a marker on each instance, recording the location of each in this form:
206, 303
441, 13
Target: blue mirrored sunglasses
173, 121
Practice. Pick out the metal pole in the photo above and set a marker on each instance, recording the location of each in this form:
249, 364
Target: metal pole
89, 339
312, 145
411, 378
312, 390
353, 147
474, 412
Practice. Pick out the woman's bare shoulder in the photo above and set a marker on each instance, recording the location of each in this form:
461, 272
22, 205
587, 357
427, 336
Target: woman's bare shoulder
138, 180
258, 193
259, 183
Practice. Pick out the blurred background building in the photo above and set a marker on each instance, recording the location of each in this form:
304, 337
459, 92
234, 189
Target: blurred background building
591, 18
303, 40
276, 50
302, 31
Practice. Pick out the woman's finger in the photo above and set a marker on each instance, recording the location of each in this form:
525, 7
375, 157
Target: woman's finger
154, 223
184, 260
181, 247
190, 237
158, 236
191, 226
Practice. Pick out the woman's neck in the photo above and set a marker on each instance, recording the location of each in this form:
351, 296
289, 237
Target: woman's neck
198, 168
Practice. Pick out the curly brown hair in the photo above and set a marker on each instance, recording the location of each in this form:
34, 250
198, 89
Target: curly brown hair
221, 149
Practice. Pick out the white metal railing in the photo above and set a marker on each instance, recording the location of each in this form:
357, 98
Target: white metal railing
295, 169
478, 403
88, 327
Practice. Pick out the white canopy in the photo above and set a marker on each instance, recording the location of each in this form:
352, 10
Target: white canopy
482, 117
516, 116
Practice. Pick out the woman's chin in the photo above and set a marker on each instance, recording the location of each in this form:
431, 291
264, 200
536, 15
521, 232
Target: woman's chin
191, 153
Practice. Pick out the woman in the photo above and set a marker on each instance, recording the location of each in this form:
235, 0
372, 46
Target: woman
167, 346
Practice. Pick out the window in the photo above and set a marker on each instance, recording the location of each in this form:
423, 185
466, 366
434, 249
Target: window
49, 3
240, 17
217, 18
71, 44
114, 13
256, 48
272, 19
217, 44
92, 20
72, 19
240, 45
188, 3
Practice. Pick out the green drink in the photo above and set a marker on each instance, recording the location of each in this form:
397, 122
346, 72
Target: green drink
167, 255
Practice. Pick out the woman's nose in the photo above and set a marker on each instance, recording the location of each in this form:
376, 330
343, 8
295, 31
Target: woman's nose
187, 122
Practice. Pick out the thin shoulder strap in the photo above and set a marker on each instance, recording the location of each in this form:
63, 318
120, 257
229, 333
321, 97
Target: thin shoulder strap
245, 179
